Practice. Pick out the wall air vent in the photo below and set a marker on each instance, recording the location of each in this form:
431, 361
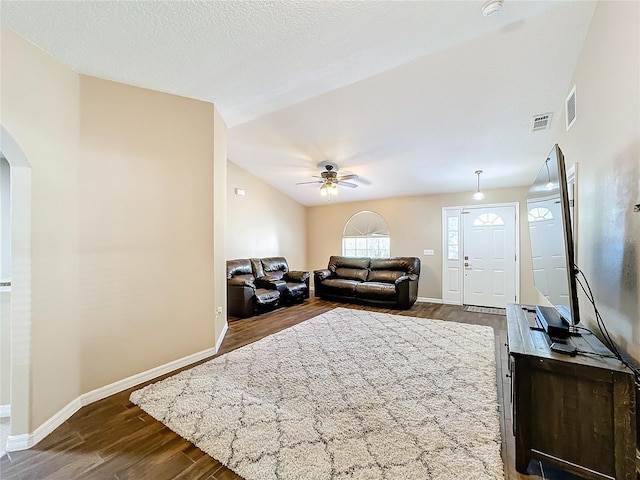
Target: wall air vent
540, 122
570, 108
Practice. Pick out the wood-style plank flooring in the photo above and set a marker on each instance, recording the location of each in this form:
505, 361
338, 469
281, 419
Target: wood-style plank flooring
114, 439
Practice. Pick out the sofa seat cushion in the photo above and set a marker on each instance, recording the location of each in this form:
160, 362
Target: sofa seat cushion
266, 297
340, 286
296, 290
376, 290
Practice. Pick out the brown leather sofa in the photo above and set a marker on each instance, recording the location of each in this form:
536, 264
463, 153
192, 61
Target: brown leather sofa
391, 282
258, 284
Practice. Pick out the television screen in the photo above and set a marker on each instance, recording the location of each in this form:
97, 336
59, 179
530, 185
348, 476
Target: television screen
551, 237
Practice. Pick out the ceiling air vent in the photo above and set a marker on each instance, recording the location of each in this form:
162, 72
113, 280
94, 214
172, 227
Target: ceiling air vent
570, 108
540, 122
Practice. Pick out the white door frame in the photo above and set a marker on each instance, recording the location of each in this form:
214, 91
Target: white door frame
20, 309
447, 297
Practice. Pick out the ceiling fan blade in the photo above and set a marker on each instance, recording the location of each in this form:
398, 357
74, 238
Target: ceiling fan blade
306, 183
347, 184
347, 177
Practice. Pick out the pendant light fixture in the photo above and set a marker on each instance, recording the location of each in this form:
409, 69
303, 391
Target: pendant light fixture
478, 195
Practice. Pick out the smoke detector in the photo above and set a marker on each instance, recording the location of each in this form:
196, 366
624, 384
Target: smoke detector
492, 6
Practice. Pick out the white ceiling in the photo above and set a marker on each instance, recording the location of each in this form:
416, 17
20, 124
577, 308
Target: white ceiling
412, 96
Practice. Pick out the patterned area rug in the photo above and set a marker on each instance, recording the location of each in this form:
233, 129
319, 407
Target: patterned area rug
491, 310
349, 394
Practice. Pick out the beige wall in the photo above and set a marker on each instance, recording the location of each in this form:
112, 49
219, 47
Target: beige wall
122, 225
265, 222
415, 225
145, 230
220, 224
605, 142
41, 110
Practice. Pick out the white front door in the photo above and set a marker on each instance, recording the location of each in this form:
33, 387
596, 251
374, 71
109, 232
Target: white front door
489, 255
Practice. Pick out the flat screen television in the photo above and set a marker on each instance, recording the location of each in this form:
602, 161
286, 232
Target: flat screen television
552, 252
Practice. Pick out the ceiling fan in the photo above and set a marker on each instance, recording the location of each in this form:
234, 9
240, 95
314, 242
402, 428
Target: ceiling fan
329, 181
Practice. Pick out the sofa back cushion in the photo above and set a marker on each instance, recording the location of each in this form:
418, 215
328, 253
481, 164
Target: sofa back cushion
385, 276
274, 267
406, 265
336, 261
256, 266
241, 266
353, 268
352, 273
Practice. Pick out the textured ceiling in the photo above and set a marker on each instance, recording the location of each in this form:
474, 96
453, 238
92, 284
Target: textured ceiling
413, 96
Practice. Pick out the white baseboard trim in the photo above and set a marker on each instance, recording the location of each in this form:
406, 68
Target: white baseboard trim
221, 338
132, 381
28, 440
5, 411
429, 300
450, 302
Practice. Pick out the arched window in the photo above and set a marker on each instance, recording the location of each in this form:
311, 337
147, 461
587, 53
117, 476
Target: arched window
486, 219
539, 214
366, 235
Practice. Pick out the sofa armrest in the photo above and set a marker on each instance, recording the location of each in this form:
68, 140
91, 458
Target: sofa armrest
322, 274
240, 282
297, 276
404, 278
407, 290
241, 297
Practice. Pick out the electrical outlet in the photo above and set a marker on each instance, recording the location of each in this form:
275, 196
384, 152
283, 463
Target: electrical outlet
218, 310
428, 252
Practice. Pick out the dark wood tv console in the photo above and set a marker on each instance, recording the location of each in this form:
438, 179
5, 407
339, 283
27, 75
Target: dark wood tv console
576, 412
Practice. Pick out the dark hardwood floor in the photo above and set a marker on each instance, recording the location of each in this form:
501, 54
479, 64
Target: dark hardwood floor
114, 439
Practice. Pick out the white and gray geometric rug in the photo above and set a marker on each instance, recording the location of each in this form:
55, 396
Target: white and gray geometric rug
349, 394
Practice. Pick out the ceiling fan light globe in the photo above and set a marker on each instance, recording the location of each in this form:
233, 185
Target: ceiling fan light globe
491, 7
478, 196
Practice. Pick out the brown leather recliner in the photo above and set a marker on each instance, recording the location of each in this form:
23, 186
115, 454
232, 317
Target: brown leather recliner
255, 285
273, 272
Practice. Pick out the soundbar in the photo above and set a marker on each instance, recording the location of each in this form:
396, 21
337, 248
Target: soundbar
552, 322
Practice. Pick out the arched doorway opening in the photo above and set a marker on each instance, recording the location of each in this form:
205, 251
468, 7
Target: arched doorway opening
19, 309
